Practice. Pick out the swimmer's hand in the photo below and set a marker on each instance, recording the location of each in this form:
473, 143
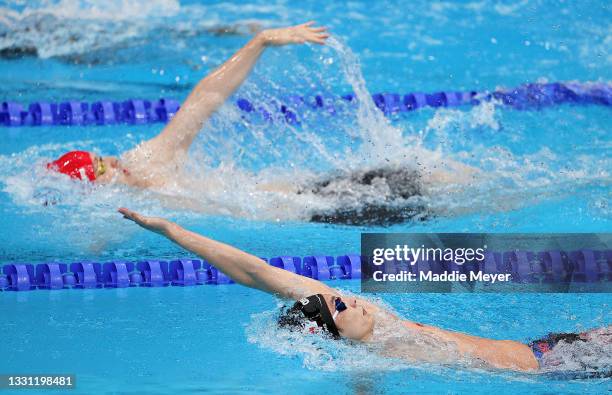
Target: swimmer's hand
154, 224
299, 34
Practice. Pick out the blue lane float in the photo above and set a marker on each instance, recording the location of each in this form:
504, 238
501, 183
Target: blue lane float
584, 266
138, 111
67, 113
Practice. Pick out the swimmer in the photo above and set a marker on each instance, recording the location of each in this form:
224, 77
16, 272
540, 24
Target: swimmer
155, 163
320, 308
158, 163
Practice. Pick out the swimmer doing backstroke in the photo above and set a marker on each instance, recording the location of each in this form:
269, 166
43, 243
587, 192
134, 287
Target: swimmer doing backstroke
321, 309
157, 163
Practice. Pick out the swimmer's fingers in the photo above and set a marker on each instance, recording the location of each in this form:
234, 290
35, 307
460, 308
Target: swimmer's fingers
296, 35
320, 39
128, 214
158, 225
133, 216
317, 38
316, 35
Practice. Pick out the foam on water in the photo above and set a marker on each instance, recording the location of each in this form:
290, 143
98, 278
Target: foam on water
70, 28
584, 358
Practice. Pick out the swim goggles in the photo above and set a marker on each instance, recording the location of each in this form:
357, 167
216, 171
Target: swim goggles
340, 307
100, 167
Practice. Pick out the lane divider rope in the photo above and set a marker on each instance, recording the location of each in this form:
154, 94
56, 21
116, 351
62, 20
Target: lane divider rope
583, 266
138, 111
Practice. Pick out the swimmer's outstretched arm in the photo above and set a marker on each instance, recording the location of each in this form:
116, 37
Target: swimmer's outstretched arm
211, 92
242, 267
253, 272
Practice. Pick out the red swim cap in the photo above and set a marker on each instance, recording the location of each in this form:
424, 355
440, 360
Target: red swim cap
76, 164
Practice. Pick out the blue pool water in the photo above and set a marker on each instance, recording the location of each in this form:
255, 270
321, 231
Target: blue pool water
541, 171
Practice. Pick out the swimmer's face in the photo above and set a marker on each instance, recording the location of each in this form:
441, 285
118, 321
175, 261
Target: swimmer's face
356, 322
105, 166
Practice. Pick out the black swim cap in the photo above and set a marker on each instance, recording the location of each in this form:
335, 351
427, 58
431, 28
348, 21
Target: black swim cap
314, 309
